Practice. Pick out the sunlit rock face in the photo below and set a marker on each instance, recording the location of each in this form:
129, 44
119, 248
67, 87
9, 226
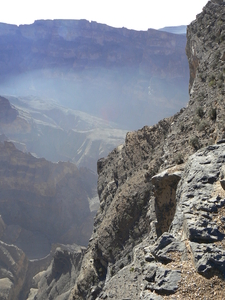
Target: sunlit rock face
130, 77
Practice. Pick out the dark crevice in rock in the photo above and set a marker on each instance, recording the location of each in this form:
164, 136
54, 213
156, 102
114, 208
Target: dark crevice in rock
165, 186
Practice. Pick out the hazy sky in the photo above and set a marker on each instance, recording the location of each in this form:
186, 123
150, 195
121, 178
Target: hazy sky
132, 14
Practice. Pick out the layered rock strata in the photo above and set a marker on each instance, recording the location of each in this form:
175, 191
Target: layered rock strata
104, 71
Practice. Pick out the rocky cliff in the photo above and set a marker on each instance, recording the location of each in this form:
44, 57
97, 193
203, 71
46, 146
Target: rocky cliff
42, 203
159, 232
104, 71
160, 227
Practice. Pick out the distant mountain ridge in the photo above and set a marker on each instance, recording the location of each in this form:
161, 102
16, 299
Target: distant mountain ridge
175, 29
132, 78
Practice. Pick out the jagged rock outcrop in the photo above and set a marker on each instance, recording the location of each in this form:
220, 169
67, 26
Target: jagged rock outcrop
104, 71
57, 281
128, 257
13, 269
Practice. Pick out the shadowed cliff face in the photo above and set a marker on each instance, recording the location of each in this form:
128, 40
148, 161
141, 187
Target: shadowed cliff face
7, 113
43, 203
129, 77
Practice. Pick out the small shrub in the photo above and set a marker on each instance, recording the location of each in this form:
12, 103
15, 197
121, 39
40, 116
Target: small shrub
179, 159
129, 257
212, 114
112, 272
220, 84
182, 128
212, 83
200, 112
200, 97
203, 125
194, 142
212, 77
221, 77
196, 120
202, 77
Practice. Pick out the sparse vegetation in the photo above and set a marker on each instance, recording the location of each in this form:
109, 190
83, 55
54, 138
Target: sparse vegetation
196, 120
212, 80
200, 112
212, 83
194, 142
112, 272
201, 76
200, 97
203, 125
179, 159
221, 77
219, 22
220, 84
212, 114
182, 127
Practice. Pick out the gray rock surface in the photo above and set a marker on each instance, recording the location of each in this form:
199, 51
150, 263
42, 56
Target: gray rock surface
13, 270
57, 281
190, 207
162, 280
199, 198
